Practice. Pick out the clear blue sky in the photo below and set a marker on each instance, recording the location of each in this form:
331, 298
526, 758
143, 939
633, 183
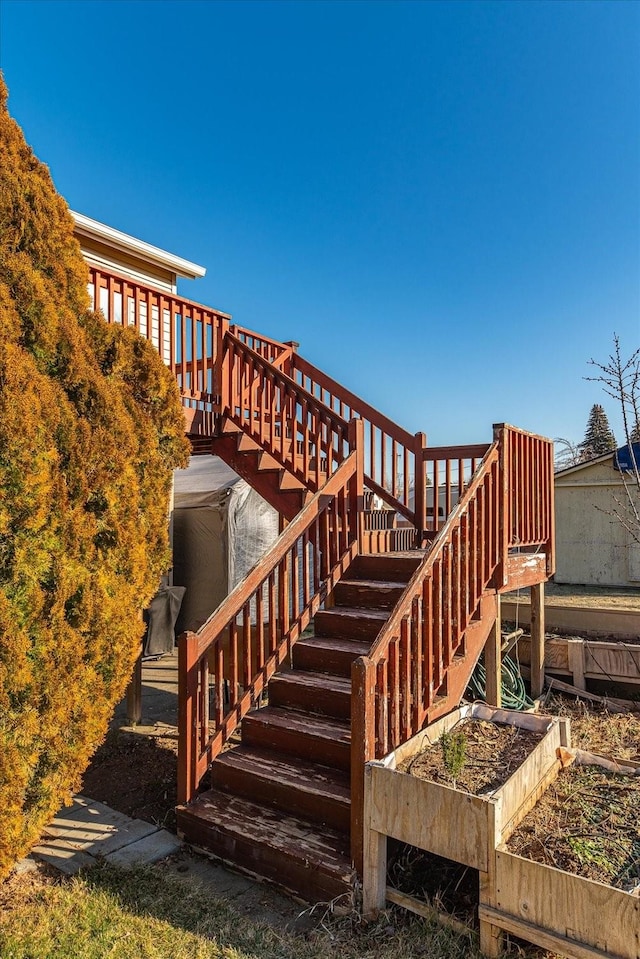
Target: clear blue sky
440, 201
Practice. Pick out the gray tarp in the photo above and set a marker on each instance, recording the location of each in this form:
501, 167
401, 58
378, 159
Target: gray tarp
221, 528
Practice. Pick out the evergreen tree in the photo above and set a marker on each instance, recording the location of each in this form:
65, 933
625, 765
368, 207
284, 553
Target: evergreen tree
598, 438
90, 430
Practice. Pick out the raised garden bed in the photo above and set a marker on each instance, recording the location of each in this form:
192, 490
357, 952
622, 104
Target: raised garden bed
568, 878
449, 820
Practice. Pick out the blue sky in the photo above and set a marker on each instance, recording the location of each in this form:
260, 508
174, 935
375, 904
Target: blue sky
440, 201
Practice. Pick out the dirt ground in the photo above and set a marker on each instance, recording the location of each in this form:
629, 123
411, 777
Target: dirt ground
475, 756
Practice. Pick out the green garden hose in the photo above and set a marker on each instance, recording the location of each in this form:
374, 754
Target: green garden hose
514, 695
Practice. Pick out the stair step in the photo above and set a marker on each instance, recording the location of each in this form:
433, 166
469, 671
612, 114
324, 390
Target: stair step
372, 593
292, 785
316, 693
350, 621
316, 738
290, 851
329, 654
391, 567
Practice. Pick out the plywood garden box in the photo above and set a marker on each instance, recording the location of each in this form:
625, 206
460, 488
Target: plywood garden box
571, 914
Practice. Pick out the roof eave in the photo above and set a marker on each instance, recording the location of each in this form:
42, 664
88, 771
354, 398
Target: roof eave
93, 229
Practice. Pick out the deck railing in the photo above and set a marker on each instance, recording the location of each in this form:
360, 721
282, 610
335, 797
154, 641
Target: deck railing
224, 668
187, 335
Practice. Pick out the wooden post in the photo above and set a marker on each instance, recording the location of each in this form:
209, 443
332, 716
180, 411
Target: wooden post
493, 661
500, 435
420, 487
374, 868
537, 640
491, 937
187, 716
134, 694
356, 504
363, 691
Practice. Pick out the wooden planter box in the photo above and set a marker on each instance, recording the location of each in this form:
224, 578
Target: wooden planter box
559, 911
553, 909
444, 820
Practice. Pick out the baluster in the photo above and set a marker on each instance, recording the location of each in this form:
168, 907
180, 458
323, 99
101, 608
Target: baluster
247, 651
273, 614
405, 674
394, 682
437, 624
415, 660
427, 640
233, 663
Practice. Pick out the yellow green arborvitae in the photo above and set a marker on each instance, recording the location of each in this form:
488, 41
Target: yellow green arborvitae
90, 431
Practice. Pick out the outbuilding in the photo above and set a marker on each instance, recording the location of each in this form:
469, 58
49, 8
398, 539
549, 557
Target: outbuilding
594, 504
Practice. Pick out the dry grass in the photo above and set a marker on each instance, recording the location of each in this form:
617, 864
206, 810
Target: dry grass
149, 914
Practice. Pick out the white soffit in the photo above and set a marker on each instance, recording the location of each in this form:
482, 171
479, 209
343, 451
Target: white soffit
93, 229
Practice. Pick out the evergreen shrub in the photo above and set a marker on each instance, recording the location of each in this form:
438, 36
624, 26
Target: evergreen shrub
90, 431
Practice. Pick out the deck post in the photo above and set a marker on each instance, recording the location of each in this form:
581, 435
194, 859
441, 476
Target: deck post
420, 487
363, 691
493, 661
537, 640
374, 867
356, 505
187, 645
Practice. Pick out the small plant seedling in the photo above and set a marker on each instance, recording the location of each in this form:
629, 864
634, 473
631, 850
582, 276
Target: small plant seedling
454, 753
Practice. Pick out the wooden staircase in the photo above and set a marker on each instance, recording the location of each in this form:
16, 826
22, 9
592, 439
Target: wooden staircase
395, 639
279, 803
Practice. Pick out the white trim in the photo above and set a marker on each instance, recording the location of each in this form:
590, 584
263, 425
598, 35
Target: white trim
93, 229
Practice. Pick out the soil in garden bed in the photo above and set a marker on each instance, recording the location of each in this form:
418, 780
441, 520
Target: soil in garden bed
475, 756
586, 823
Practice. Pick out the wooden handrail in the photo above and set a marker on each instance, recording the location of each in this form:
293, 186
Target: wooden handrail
239, 596
348, 402
253, 630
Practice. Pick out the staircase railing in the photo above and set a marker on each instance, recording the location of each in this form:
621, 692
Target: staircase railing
290, 424
508, 504
224, 668
422, 483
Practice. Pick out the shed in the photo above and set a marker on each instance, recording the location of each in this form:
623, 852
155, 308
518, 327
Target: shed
593, 547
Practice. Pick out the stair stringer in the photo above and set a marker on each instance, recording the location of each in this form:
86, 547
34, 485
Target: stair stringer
287, 502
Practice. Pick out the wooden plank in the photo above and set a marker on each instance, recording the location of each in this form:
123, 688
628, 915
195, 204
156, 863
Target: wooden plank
374, 867
585, 621
593, 919
525, 786
538, 936
449, 823
427, 911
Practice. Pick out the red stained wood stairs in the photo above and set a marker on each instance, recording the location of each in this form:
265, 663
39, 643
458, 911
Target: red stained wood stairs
337, 648
279, 802
395, 637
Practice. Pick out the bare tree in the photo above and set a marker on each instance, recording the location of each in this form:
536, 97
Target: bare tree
620, 379
566, 453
